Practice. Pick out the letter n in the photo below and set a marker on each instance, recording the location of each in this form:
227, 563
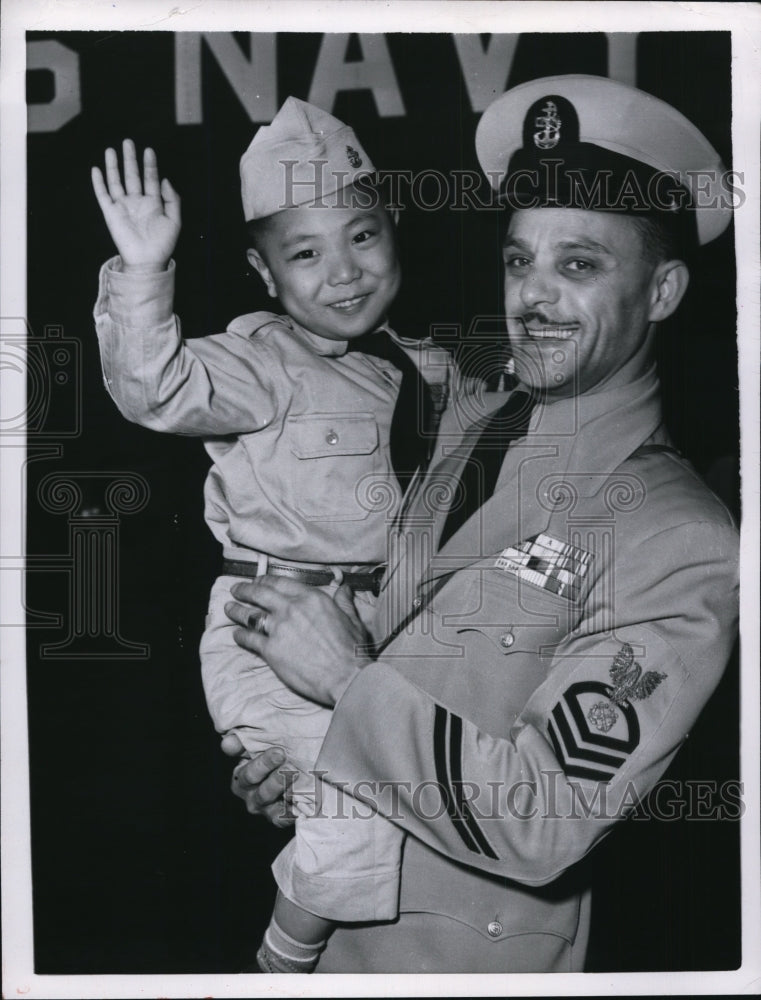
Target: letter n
252, 78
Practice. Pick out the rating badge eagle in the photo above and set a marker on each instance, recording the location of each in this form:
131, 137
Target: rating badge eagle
630, 682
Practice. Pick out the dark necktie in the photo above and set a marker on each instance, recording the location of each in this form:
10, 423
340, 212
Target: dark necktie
413, 422
479, 476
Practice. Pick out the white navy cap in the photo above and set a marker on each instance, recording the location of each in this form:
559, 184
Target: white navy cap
591, 142
304, 156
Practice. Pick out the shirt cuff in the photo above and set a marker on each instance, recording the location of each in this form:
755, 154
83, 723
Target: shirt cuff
135, 300
342, 689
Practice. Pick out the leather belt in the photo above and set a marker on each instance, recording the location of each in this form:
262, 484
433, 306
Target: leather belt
369, 580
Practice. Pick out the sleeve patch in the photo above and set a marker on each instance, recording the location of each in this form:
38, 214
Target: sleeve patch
591, 736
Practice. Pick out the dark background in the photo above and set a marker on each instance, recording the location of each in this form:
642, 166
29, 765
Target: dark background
142, 860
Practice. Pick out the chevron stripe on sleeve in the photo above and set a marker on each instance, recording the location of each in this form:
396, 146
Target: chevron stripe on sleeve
447, 755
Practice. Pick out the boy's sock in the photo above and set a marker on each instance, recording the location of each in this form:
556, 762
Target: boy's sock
279, 952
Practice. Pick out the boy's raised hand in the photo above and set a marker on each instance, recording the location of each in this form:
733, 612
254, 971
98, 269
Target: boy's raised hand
143, 216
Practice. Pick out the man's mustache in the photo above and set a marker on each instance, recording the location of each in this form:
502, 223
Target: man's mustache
533, 316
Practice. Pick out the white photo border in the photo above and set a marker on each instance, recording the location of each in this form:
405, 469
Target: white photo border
743, 20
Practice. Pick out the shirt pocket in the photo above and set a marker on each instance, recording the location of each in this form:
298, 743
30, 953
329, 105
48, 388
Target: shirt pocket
511, 614
501, 635
495, 907
335, 466
332, 434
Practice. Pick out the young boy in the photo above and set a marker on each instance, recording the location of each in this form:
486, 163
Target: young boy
310, 419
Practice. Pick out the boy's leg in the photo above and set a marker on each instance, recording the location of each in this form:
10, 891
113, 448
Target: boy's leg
246, 697
343, 868
344, 862
294, 939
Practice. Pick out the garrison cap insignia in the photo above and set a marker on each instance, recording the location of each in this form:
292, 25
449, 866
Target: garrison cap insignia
298, 159
548, 122
597, 753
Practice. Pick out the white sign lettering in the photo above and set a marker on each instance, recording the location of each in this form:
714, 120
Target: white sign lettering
374, 71
252, 79
67, 101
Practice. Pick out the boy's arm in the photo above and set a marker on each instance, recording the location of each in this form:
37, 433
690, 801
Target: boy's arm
206, 386
210, 386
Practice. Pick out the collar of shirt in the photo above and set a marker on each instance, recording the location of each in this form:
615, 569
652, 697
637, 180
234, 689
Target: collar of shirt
625, 415
322, 346
583, 439
555, 416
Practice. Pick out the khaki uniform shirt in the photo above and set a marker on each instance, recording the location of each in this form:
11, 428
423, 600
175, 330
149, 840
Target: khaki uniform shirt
297, 428
556, 654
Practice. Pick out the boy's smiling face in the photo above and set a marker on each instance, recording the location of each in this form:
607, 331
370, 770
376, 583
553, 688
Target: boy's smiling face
335, 270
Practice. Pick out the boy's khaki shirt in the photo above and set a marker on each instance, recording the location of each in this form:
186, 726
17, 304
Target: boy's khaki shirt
297, 427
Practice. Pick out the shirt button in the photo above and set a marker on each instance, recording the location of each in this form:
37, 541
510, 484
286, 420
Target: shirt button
388, 375
417, 602
507, 640
494, 928
331, 437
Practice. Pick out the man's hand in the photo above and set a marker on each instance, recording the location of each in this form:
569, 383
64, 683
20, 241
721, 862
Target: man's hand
143, 216
260, 783
314, 643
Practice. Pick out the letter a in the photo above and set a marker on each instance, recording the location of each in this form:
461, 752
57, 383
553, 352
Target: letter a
374, 72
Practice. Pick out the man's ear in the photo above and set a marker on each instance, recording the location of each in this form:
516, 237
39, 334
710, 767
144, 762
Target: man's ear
670, 280
256, 261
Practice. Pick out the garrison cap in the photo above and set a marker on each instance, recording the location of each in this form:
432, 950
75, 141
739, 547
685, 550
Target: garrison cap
303, 156
594, 143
